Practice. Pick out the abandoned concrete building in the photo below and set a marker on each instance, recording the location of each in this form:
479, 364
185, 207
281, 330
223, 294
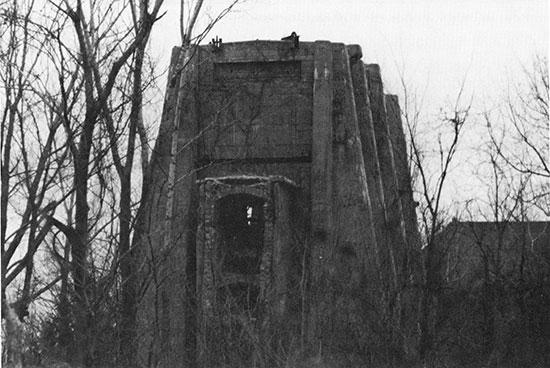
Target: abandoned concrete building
281, 214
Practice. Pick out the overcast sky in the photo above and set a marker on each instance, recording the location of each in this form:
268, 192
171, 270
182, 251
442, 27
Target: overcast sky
435, 42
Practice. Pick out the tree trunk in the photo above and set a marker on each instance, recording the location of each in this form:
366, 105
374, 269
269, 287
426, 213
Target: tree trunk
79, 245
127, 262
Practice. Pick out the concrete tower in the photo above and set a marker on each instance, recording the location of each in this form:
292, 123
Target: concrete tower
288, 224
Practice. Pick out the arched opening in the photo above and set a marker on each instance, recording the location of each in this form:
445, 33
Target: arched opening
240, 222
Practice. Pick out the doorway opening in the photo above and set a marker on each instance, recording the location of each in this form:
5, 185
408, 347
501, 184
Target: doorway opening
241, 226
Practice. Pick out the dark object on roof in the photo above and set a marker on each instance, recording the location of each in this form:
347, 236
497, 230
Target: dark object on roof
294, 38
216, 43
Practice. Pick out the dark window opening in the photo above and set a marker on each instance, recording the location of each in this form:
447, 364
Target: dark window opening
241, 225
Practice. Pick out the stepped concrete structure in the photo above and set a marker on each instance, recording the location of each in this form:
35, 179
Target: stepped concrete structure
280, 217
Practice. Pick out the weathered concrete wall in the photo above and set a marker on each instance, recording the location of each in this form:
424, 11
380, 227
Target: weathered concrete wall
393, 231
257, 108
165, 309
317, 116
368, 144
340, 260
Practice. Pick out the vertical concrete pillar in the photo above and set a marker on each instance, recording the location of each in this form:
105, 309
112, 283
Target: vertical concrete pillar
165, 313
181, 266
353, 238
321, 150
351, 198
282, 240
394, 213
284, 293
393, 230
370, 154
321, 179
205, 293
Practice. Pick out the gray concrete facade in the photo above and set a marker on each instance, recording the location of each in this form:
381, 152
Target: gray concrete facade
299, 149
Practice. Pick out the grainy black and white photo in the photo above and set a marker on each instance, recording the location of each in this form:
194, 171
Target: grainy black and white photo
275, 184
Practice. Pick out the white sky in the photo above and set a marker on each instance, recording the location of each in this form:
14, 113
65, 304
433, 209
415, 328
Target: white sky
433, 43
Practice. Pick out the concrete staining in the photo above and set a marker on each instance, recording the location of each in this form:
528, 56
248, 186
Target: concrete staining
293, 220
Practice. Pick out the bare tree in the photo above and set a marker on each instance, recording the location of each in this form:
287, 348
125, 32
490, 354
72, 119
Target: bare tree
103, 48
431, 169
515, 171
519, 132
32, 156
50, 131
